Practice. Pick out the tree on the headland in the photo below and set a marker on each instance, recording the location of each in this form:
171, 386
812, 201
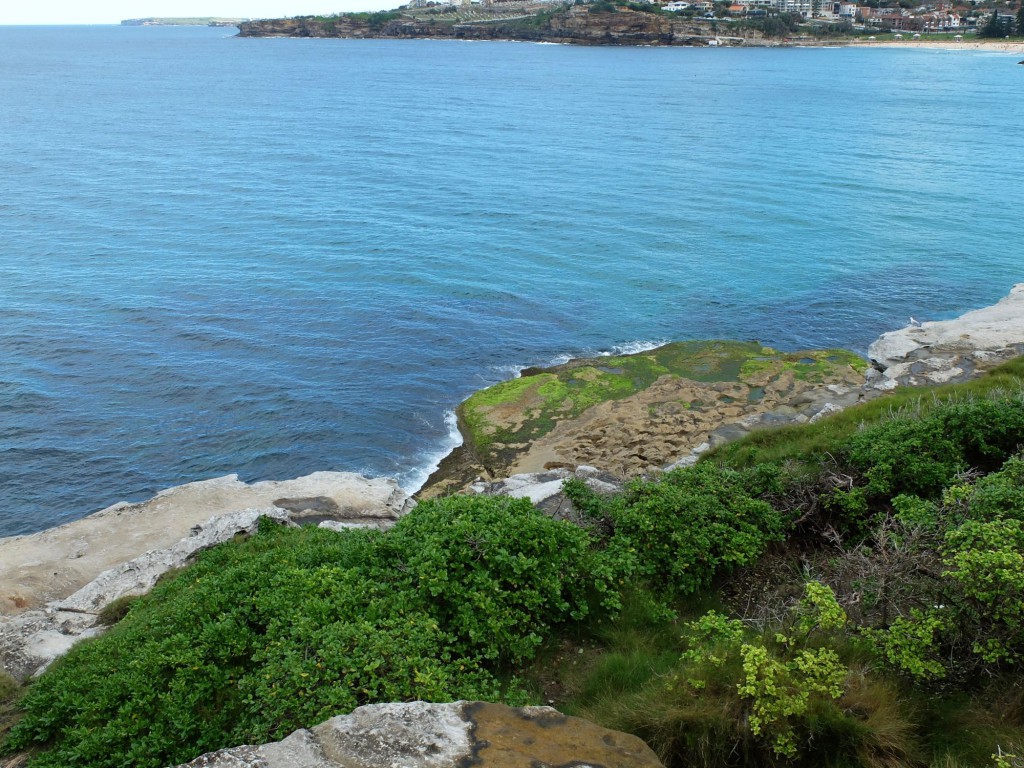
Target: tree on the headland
1020, 19
995, 26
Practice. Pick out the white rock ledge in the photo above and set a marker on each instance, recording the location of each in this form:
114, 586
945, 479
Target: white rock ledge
953, 350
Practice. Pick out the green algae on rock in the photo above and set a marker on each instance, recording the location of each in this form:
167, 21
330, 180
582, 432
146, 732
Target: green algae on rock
627, 413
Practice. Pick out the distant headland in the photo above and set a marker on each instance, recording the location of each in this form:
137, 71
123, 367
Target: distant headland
622, 22
190, 21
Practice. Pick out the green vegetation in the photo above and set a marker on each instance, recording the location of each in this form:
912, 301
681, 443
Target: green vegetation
10, 694
682, 530
777, 25
291, 627
529, 407
847, 593
996, 26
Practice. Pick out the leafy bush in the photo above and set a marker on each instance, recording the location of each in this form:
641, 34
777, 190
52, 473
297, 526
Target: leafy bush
292, 627
739, 698
922, 454
986, 562
981, 543
495, 571
912, 456
692, 524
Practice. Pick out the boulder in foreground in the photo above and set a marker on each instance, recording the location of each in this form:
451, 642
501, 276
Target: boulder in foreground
421, 735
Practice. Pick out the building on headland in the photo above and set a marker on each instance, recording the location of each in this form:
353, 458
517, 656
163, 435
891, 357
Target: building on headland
929, 18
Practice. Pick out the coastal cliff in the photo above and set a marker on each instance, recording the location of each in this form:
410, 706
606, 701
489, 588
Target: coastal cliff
577, 25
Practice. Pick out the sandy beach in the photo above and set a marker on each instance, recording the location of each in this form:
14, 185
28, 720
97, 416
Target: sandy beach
995, 46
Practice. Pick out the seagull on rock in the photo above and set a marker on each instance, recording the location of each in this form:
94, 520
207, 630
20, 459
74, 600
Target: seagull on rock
915, 323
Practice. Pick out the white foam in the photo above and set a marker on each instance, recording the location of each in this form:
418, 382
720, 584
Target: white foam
506, 372
416, 478
633, 348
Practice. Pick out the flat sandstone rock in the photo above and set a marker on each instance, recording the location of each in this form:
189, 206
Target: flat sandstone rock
53, 564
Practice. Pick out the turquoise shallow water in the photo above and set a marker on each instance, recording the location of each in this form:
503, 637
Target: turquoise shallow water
272, 257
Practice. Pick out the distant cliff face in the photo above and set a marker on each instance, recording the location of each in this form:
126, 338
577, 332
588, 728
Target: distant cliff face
576, 25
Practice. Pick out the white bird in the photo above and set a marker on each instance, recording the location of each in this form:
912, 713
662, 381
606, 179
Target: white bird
915, 323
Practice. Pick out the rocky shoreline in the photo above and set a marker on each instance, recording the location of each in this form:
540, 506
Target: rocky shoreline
576, 25
55, 584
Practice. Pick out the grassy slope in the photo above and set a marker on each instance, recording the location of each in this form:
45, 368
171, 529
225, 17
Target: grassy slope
811, 442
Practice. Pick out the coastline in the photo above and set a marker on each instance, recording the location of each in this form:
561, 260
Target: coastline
55, 584
579, 25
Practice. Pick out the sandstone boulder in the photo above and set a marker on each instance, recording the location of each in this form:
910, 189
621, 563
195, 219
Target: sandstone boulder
421, 735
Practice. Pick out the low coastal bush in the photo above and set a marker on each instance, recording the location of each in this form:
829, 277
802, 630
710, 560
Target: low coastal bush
294, 626
740, 697
976, 553
678, 532
922, 454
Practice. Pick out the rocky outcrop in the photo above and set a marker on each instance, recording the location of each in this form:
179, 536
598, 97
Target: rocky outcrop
576, 25
131, 541
951, 351
421, 735
544, 489
636, 414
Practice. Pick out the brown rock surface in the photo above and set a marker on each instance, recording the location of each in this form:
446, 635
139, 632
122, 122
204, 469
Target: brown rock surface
577, 25
658, 425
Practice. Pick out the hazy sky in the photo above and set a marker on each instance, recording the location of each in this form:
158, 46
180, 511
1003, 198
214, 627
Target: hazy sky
112, 11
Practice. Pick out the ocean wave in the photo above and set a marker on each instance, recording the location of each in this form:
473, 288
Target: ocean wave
416, 477
633, 348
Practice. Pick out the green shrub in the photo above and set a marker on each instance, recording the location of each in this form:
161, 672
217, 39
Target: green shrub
737, 698
264, 636
906, 455
495, 571
922, 454
979, 530
912, 644
692, 524
986, 562
998, 495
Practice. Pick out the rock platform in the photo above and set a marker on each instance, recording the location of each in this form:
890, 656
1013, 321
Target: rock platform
950, 351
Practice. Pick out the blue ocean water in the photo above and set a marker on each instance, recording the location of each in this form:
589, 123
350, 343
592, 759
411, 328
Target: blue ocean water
272, 257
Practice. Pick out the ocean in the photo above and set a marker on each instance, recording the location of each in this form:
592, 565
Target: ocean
271, 257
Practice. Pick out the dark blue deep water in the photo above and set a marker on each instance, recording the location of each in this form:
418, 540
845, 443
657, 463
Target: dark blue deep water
272, 257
